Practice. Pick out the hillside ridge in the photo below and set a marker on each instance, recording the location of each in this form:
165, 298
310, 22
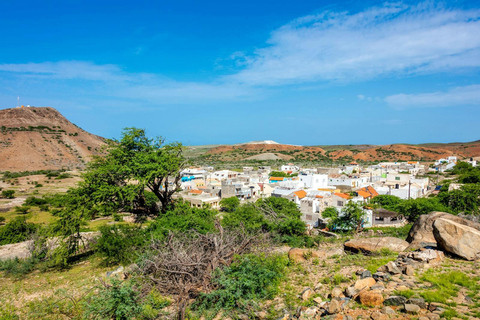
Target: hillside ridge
41, 138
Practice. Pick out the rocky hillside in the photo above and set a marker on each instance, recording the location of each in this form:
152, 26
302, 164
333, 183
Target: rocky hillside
393, 152
41, 138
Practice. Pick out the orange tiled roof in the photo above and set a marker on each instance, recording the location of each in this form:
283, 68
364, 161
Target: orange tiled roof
367, 192
317, 196
196, 191
300, 194
277, 178
343, 195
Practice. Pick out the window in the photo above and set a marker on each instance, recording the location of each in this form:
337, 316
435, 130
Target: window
397, 178
340, 203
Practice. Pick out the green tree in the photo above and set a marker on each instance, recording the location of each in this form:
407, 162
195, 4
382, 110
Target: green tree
229, 204
8, 194
132, 165
413, 208
351, 218
387, 201
330, 212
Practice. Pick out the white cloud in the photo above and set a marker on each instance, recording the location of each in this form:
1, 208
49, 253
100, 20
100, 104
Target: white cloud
460, 96
389, 40
111, 82
67, 70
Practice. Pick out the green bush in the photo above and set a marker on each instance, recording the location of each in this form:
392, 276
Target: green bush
8, 194
22, 210
2, 220
229, 204
16, 230
118, 301
119, 243
183, 218
18, 267
33, 201
247, 279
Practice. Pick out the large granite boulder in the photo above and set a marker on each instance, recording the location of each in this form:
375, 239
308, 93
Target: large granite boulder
421, 233
375, 244
457, 238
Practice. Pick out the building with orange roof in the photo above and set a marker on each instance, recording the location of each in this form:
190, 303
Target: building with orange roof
367, 193
300, 194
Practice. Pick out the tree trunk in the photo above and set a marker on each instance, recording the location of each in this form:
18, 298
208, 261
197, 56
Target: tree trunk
181, 310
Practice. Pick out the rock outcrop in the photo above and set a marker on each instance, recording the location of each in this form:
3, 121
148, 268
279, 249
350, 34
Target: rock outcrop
457, 238
375, 244
421, 233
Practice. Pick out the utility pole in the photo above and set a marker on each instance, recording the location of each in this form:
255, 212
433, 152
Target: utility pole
409, 184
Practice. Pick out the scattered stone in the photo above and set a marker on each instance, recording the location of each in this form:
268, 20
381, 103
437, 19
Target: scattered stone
334, 307
433, 316
117, 273
395, 301
364, 283
318, 286
388, 310
309, 313
411, 308
409, 270
401, 288
375, 244
350, 292
430, 256
423, 318
378, 286
433, 306
381, 276
392, 268
337, 292
261, 315
378, 316
365, 274
419, 302
347, 317
458, 239
306, 294
371, 298
317, 300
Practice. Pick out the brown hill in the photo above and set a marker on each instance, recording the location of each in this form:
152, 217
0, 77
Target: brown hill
393, 152
41, 138
264, 148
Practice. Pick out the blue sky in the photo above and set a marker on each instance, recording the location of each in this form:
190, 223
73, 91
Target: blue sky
214, 72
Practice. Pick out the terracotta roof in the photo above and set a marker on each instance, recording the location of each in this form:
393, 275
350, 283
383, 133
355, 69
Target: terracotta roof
367, 192
277, 178
364, 194
196, 191
343, 195
300, 194
317, 196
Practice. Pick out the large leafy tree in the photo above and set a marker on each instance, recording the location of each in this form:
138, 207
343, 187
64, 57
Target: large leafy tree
131, 166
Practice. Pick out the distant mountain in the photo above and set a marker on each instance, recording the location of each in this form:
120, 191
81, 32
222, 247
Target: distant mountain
270, 150
36, 138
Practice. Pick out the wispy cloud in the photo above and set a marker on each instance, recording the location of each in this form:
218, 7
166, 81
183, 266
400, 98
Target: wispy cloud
111, 82
460, 96
394, 39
